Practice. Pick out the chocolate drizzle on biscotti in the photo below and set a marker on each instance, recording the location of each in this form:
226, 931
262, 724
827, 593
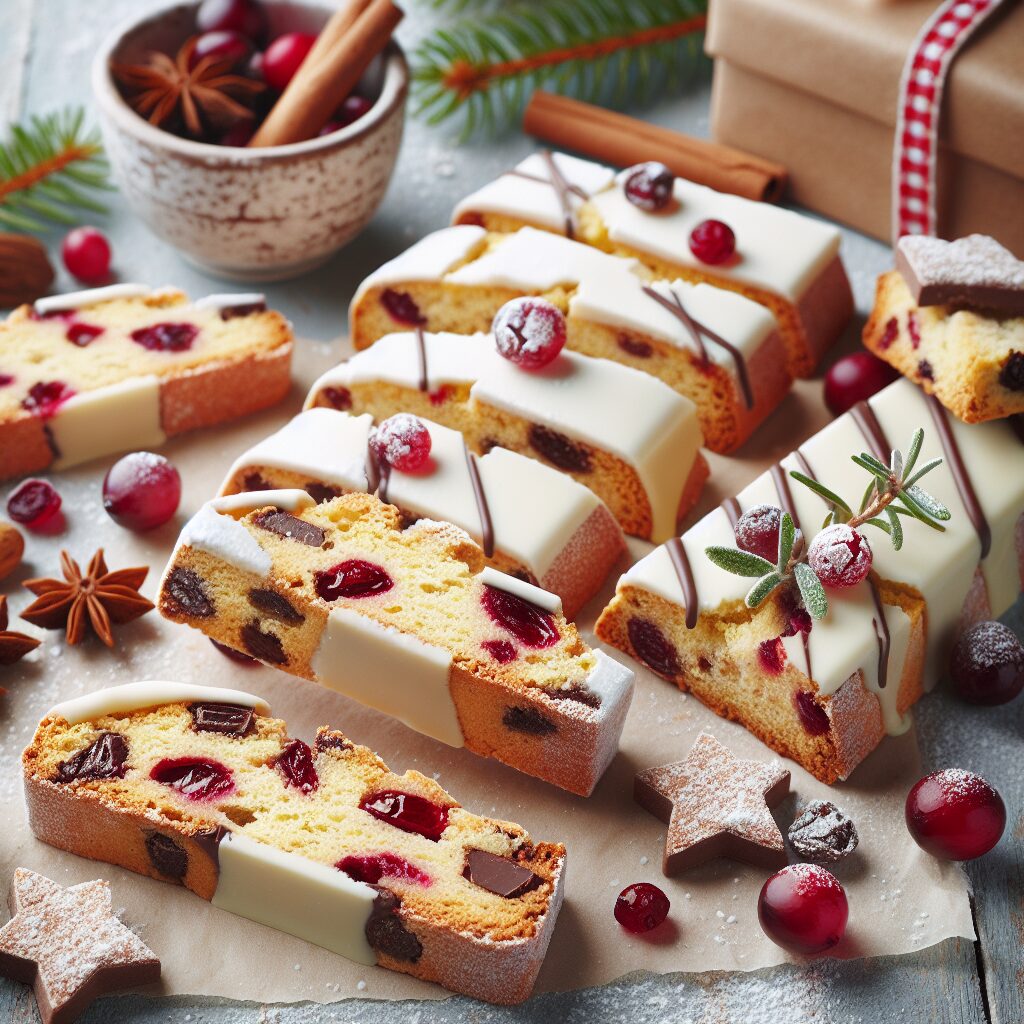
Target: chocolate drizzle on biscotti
684, 572
483, 509
564, 189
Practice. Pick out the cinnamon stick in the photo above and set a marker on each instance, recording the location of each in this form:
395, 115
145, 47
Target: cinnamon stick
622, 141
330, 35
302, 111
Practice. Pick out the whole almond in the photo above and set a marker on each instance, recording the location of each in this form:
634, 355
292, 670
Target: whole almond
25, 270
12, 547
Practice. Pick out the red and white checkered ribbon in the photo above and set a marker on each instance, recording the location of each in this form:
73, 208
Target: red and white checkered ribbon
915, 151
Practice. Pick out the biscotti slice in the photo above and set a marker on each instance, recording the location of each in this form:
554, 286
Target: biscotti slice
532, 522
827, 695
200, 787
631, 439
715, 347
784, 260
409, 622
951, 317
92, 373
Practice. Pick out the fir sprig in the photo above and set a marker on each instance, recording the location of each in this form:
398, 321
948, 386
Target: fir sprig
892, 492
50, 168
599, 50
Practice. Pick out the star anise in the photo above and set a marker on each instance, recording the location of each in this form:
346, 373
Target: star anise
13, 646
164, 86
94, 598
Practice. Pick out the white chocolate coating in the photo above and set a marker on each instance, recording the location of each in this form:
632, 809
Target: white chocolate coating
288, 499
222, 536
228, 300
520, 588
90, 297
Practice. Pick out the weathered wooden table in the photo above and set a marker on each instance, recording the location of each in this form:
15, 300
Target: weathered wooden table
45, 49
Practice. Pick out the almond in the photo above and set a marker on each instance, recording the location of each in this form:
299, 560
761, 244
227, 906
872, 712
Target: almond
25, 270
12, 547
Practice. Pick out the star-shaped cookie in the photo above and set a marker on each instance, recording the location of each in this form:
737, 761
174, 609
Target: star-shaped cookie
715, 805
69, 945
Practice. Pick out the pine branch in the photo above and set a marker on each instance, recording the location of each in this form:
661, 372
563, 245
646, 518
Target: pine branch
49, 170
603, 51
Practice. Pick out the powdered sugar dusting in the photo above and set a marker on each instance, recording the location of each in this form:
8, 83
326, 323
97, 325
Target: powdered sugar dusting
976, 260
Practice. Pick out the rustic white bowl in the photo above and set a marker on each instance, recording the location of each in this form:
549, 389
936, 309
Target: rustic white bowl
250, 214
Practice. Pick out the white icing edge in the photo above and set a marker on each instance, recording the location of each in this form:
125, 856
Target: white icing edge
225, 538
613, 682
295, 895
520, 588
90, 297
226, 300
149, 693
288, 499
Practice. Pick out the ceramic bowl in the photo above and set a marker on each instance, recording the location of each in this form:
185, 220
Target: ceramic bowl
250, 214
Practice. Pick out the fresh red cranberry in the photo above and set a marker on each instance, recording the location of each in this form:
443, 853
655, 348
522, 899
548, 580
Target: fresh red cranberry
402, 308
141, 491
649, 186
221, 45
812, 716
353, 578
169, 337
338, 398
45, 397
757, 531
840, 556
105, 758
890, 333
284, 56
771, 655
641, 907
987, 665
712, 242
529, 624
500, 650
408, 812
803, 908
244, 16
82, 334
403, 442
330, 128
955, 815
653, 648
86, 254
855, 378
529, 332
194, 778
295, 763
33, 503
237, 656
353, 108
238, 134
373, 867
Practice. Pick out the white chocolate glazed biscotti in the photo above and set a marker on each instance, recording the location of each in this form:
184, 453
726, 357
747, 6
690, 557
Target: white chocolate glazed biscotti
90, 373
715, 347
631, 439
841, 686
201, 787
531, 521
407, 621
787, 261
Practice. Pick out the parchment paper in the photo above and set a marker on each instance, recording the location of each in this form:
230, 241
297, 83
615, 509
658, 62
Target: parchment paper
900, 899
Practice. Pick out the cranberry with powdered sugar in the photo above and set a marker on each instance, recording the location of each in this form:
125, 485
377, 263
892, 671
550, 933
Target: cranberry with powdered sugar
529, 332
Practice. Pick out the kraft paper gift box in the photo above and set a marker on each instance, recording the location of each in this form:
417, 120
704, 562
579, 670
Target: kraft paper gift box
813, 84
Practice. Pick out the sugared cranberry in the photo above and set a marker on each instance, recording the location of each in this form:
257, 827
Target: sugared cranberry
408, 812
955, 815
840, 556
641, 907
295, 763
403, 442
169, 337
45, 397
338, 398
890, 332
987, 665
105, 758
141, 491
33, 503
653, 648
649, 186
353, 578
373, 867
855, 378
401, 307
221, 45
237, 656
238, 134
559, 450
529, 332
284, 56
811, 714
244, 16
529, 624
86, 254
757, 531
500, 650
82, 334
771, 655
803, 908
712, 242
194, 778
